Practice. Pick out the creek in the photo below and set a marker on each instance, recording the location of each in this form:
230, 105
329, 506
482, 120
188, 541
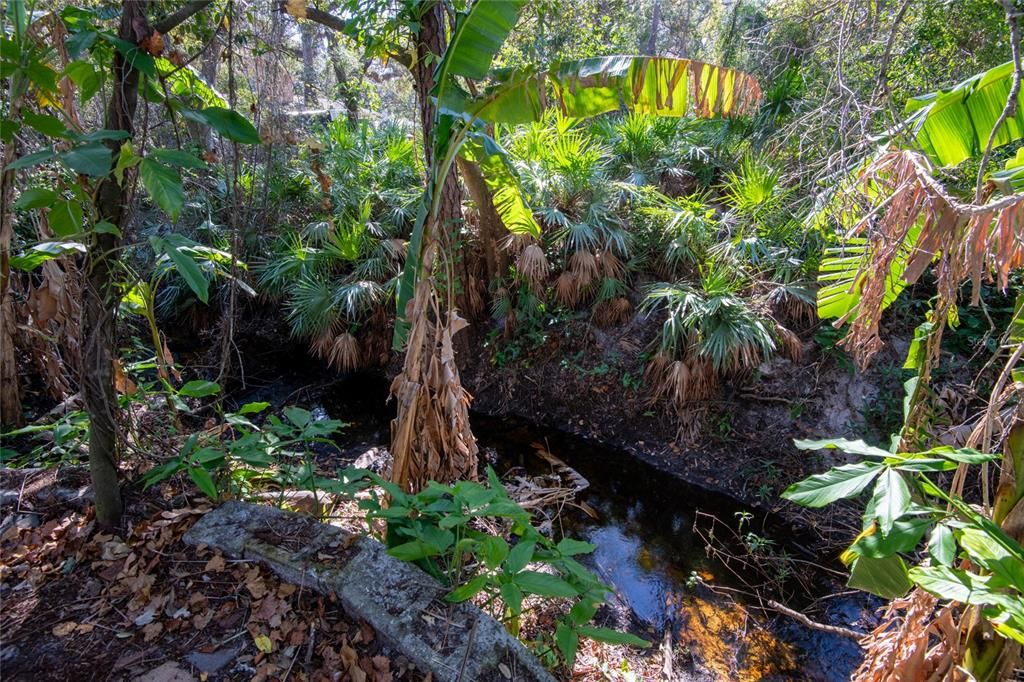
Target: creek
652, 534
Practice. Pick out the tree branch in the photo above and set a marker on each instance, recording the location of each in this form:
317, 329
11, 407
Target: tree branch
169, 22
1011, 101
332, 22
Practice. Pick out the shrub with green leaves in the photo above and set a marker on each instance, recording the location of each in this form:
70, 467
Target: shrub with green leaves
441, 529
956, 553
240, 456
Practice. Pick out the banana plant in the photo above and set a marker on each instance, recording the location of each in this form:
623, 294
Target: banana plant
946, 128
429, 394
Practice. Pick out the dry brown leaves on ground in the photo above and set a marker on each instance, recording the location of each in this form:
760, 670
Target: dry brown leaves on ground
79, 604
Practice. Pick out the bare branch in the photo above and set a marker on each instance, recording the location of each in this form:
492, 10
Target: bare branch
169, 22
1011, 101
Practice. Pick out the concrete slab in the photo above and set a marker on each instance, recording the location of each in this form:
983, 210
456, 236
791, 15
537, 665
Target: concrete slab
455, 642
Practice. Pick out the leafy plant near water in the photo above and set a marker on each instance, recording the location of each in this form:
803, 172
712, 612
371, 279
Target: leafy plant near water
442, 530
969, 558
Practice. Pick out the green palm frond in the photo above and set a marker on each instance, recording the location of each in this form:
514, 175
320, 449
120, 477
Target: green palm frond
311, 307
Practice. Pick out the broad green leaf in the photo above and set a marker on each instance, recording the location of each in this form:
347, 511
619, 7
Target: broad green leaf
610, 636
571, 547
38, 254
953, 125
493, 550
298, 416
51, 126
835, 484
227, 122
175, 247
178, 158
106, 227
414, 550
513, 597
164, 185
36, 197
101, 135
519, 556
478, 35
662, 86
544, 584
33, 159
201, 477
503, 183
890, 499
988, 553
853, 447
566, 638
85, 77
467, 591
904, 537
65, 218
136, 57
885, 577
93, 159
253, 408
944, 582
199, 389
942, 545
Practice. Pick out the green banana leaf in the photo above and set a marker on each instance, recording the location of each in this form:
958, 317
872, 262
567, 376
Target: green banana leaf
953, 125
661, 86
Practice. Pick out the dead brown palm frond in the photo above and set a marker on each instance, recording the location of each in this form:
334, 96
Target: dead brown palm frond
395, 248
344, 354
792, 346
584, 265
680, 382
567, 290
796, 309
611, 265
533, 267
515, 243
613, 311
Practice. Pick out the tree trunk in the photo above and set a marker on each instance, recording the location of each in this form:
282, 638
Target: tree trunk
345, 89
308, 32
10, 393
100, 296
492, 229
652, 37
208, 69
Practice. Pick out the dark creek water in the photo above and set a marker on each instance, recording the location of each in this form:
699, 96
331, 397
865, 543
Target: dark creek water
643, 523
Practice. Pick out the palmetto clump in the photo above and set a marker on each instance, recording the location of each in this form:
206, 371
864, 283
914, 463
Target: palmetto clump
712, 329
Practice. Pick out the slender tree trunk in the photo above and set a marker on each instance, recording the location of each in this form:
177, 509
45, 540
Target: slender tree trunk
491, 227
652, 37
308, 32
208, 69
345, 89
100, 295
10, 391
